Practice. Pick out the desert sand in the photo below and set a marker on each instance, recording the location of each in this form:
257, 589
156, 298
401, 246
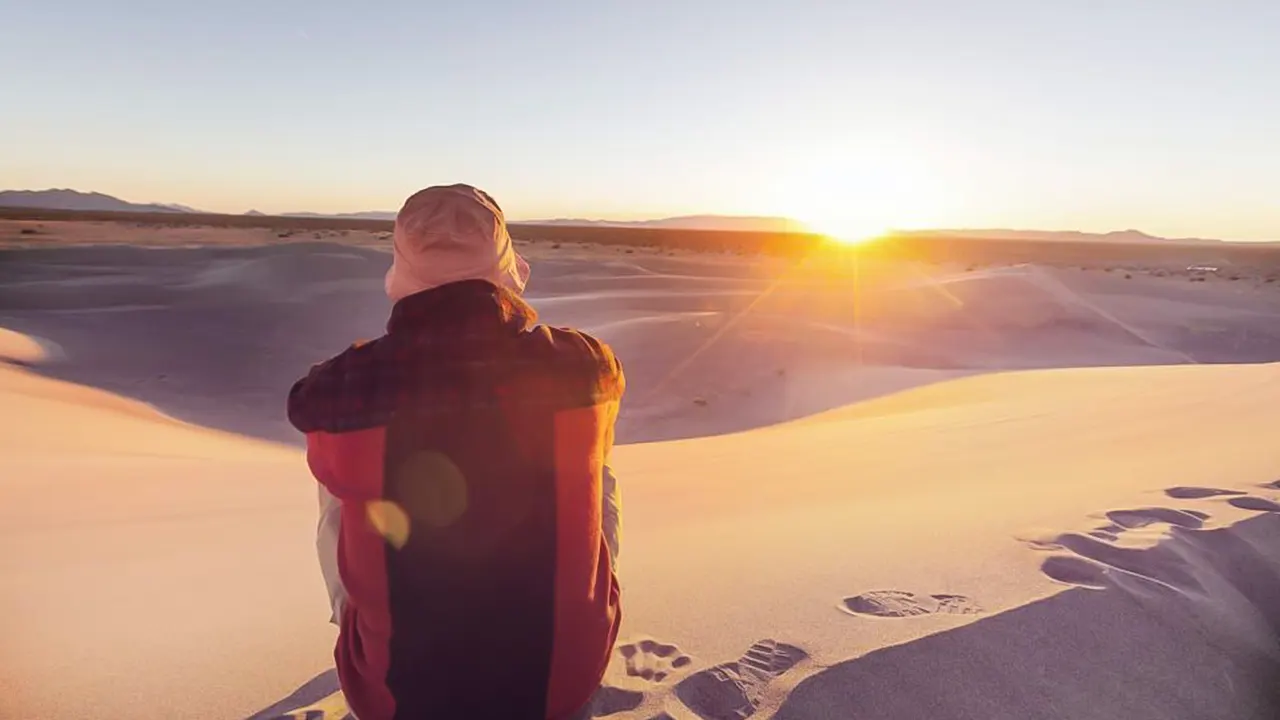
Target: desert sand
851, 489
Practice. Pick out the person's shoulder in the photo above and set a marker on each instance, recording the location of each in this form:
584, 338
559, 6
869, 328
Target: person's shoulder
580, 346
350, 390
584, 343
581, 355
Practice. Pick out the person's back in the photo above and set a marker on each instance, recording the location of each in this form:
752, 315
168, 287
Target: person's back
467, 447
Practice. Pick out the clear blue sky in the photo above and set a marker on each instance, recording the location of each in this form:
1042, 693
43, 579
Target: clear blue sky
1162, 115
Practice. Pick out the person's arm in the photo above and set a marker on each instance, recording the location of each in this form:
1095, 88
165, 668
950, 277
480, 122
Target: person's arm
607, 389
319, 407
611, 513
610, 494
327, 531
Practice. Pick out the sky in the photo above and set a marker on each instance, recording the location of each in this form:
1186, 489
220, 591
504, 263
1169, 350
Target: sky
853, 116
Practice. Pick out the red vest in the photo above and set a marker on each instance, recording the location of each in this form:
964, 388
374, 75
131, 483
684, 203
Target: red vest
466, 446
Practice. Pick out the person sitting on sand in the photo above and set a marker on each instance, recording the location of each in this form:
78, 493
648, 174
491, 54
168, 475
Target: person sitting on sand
469, 519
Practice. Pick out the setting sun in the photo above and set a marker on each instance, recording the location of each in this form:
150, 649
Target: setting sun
857, 193
840, 234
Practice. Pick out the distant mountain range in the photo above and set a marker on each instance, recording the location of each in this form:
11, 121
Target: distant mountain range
1119, 236
366, 215
689, 222
64, 199
742, 223
75, 200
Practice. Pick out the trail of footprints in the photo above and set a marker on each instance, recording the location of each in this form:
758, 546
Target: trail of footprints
736, 690
1093, 559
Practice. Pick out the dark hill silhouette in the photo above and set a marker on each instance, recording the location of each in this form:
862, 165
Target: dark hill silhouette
67, 199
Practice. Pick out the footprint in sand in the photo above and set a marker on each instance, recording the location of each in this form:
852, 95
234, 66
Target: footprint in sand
1122, 520
1142, 517
735, 690
900, 604
1094, 557
1254, 503
653, 661
1157, 565
1197, 493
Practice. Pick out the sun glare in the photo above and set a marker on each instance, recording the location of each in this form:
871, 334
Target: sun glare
856, 239
850, 214
842, 233
858, 194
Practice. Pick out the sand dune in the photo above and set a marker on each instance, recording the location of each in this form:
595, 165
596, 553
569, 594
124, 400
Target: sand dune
932, 492
241, 320
147, 568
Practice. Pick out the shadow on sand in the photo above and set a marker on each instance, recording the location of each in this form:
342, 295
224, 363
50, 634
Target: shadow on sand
1137, 649
309, 702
